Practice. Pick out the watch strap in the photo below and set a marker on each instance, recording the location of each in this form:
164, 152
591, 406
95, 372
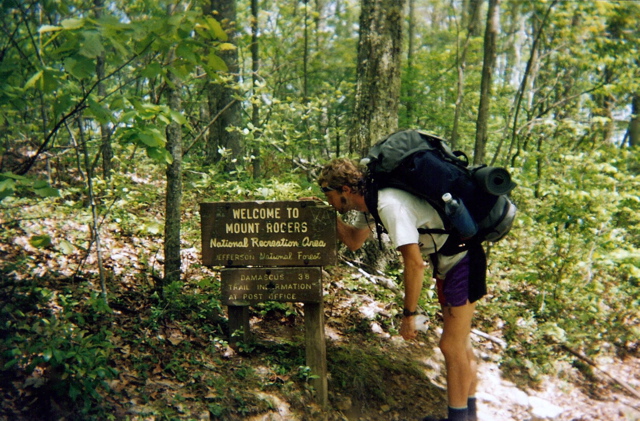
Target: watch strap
407, 313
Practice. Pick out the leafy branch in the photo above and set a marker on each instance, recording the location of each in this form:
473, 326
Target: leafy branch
80, 106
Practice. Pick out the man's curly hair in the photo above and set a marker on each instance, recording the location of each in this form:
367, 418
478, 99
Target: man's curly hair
342, 172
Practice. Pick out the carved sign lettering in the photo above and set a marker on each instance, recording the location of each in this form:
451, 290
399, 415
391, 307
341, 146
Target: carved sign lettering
269, 233
245, 286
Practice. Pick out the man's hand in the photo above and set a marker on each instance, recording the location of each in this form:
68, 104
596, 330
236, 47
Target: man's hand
408, 328
313, 198
413, 277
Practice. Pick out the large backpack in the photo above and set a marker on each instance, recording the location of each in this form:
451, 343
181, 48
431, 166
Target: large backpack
424, 165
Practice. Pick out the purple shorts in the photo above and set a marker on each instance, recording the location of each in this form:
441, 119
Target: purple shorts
453, 290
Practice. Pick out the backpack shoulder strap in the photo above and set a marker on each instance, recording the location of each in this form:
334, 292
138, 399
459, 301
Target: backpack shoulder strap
452, 245
371, 200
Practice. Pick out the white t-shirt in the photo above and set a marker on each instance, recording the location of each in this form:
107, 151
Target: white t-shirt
402, 214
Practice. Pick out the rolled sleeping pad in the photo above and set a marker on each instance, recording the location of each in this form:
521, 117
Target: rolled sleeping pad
494, 180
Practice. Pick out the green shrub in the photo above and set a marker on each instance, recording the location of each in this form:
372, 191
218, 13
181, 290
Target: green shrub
568, 273
46, 338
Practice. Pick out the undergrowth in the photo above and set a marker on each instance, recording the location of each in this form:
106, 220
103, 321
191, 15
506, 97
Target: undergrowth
567, 276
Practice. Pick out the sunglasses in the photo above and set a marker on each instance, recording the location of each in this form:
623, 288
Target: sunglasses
327, 189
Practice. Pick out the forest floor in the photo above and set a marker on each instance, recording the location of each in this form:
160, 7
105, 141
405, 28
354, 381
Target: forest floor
409, 376
173, 361
572, 395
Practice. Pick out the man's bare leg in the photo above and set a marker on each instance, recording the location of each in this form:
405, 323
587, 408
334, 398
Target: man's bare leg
459, 357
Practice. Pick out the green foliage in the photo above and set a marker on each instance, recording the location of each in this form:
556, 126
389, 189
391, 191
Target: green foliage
568, 273
52, 337
218, 186
571, 264
200, 303
78, 68
270, 307
11, 184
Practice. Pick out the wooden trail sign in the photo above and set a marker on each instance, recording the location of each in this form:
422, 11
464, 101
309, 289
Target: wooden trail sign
268, 233
273, 251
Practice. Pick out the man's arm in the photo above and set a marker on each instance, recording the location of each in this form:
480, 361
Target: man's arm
413, 278
351, 236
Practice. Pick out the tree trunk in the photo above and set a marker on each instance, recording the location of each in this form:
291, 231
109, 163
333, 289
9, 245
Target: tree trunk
410, 67
305, 55
513, 44
633, 133
221, 93
377, 90
378, 73
105, 133
462, 62
172, 261
605, 103
471, 16
485, 86
529, 72
95, 225
255, 108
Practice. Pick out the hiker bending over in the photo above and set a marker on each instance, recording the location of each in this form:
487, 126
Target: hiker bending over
460, 278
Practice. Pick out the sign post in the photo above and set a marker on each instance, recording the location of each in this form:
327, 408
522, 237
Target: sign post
273, 251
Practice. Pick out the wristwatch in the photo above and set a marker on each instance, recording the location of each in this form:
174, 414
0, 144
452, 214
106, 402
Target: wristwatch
407, 313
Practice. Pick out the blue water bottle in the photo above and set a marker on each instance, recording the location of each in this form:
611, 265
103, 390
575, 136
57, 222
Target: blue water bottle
459, 216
